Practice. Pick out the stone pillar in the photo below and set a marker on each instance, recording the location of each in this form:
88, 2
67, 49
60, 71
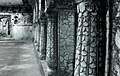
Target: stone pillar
91, 43
51, 54
34, 25
35, 34
43, 36
115, 22
37, 25
66, 42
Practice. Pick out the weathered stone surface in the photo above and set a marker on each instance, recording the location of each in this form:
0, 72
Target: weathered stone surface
81, 7
64, 3
51, 54
43, 37
107, 44
115, 68
66, 42
88, 46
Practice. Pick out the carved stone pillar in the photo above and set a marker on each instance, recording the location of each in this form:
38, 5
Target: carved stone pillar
43, 36
115, 22
91, 43
51, 54
34, 25
35, 33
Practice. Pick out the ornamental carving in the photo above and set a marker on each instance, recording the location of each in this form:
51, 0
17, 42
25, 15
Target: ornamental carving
65, 3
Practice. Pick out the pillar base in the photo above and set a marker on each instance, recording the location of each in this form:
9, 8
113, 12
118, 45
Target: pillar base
42, 57
51, 73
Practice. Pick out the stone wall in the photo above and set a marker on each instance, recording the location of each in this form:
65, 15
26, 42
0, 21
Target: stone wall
51, 53
22, 32
66, 42
21, 26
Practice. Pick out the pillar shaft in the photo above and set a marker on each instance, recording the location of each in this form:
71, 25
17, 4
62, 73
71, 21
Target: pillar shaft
90, 40
43, 37
35, 33
51, 54
115, 22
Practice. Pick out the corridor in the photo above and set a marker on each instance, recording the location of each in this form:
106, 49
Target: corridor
17, 58
59, 37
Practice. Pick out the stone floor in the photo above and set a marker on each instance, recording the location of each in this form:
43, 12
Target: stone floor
6, 38
17, 58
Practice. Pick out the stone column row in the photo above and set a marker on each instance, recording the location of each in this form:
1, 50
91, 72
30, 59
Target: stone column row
60, 48
60, 42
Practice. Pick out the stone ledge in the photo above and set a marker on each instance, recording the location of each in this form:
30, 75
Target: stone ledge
41, 68
42, 63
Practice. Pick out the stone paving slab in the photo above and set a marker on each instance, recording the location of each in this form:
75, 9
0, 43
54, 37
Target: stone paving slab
18, 59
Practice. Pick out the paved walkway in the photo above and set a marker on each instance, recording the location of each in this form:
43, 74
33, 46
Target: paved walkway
18, 59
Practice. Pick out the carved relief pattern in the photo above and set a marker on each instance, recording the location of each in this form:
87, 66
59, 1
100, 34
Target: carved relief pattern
107, 45
42, 39
36, 35
14, 9
65, 3
88, 47
101, 38
51, 56
49, 3
115, 68
66, 42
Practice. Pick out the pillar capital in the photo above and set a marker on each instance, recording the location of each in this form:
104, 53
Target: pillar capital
43, 18
51, 16
49, 3
87, 5
50, 13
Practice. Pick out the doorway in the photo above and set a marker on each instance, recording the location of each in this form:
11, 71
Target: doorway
5, 27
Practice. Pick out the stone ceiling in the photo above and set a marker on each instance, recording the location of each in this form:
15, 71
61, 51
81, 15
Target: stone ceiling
10, 2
